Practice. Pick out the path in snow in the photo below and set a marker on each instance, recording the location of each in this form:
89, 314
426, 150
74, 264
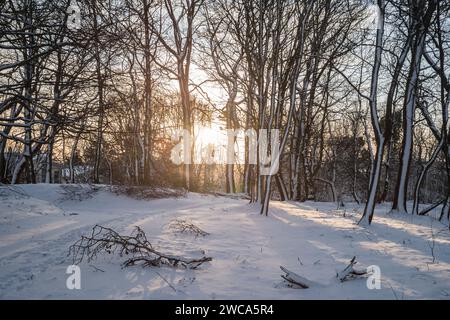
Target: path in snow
311, 239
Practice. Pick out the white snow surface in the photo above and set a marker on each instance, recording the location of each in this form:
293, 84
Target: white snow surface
312, 239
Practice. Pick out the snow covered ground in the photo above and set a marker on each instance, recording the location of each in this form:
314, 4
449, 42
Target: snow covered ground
38, 224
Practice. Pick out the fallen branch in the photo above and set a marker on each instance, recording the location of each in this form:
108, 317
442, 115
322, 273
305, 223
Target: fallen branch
431, 207
8, 190
78, 192
349, 273
235, 196
148, 192
136, 246
184, 226
294, 279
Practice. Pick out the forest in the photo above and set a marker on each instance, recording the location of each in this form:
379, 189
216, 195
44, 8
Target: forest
275, 102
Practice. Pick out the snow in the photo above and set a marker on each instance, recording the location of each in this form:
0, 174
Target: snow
311, 239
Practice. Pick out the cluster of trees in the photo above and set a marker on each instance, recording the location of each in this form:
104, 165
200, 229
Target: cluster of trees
359, 97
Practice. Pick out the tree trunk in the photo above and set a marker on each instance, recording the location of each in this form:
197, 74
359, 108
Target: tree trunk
423, 173
369, 208
421, 25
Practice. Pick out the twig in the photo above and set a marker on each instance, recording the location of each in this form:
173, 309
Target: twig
96, 269
349, 272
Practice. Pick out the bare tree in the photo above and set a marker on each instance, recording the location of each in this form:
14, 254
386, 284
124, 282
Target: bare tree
421, 17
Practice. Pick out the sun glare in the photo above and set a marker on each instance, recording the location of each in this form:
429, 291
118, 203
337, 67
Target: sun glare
205, 136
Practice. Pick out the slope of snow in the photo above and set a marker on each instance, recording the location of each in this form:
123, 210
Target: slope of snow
38, 224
